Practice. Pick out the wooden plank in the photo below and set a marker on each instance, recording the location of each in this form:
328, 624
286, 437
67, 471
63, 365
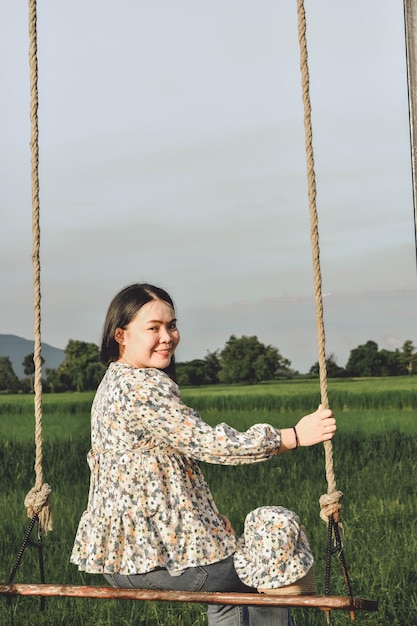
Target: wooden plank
78, 591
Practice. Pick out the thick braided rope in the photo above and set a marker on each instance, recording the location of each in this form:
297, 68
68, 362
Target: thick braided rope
37, 500
410, 17
330, 503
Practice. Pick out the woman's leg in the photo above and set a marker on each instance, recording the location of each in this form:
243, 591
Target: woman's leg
248, 615
219, 576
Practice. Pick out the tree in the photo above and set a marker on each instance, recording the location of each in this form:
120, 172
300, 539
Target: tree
192, 373
408, 357
212, 362
8, 379
29, 367
80, 371
365, 360
248, 360
390, 363
199, 371
332, 368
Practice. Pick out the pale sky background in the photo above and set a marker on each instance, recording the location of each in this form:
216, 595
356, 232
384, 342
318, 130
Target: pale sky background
172, 151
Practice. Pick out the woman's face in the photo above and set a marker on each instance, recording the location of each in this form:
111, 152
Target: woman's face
150, 339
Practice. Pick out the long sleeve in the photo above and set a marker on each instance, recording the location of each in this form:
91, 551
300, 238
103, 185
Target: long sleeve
158, 406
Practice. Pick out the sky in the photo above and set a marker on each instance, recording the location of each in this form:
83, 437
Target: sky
172, 151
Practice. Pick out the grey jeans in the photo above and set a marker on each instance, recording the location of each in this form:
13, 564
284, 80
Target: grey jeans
219, 576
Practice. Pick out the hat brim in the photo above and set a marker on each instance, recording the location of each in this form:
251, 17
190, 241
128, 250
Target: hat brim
305, 586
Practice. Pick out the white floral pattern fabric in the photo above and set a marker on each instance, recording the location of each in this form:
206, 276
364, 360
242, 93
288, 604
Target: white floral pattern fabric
149, 505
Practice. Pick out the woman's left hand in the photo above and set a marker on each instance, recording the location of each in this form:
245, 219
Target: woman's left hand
227, 525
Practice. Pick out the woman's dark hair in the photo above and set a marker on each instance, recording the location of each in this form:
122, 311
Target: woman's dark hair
122, 310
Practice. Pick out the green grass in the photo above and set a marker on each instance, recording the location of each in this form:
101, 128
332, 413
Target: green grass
375, 461
301, 395
372, 403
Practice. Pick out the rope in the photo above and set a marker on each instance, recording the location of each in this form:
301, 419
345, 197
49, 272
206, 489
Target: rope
330, 503
37, 500
410, 16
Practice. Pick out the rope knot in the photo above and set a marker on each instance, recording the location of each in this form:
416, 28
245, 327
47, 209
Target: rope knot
330, 505
37, 503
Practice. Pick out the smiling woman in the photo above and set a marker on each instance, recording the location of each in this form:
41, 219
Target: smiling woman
151, 521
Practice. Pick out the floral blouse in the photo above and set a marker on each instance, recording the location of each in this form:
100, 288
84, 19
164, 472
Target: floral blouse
149, 505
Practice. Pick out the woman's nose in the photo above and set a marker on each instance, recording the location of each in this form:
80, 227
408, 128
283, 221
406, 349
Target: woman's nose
165, 336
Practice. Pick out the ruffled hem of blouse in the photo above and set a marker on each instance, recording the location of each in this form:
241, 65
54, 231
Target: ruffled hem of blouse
129, 546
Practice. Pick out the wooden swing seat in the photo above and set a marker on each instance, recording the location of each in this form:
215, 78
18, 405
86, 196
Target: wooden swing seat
326, 603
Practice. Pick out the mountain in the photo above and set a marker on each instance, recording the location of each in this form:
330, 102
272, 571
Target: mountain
16, 348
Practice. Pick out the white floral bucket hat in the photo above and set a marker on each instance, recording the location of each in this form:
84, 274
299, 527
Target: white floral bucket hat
273, 553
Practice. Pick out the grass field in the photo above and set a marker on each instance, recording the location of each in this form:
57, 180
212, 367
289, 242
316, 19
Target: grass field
375, 464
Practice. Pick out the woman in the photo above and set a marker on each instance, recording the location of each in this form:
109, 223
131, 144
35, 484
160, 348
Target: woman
151, 521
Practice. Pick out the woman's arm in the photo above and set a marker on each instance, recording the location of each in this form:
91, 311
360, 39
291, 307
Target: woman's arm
157, 406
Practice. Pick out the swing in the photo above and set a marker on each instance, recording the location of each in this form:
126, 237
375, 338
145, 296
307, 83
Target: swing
37, 501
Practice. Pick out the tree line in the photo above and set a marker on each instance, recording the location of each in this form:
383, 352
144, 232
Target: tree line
242, 360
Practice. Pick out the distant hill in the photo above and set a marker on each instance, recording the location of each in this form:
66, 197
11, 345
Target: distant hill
16, 348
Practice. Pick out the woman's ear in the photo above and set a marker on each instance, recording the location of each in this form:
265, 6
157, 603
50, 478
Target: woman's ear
119, 335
